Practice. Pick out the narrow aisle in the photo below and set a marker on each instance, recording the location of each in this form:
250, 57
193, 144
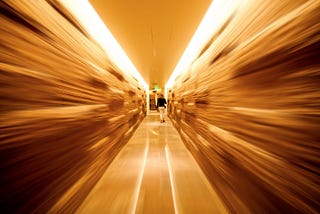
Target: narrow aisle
153, 173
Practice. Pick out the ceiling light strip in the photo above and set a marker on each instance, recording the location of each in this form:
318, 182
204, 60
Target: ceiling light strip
85, 13
218, 11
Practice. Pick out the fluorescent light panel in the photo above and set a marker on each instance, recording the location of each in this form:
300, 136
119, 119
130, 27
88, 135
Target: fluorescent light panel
89, 18
218, 11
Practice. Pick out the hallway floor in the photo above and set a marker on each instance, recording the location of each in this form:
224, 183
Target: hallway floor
153, 173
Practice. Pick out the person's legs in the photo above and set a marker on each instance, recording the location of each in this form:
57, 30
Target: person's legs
161, 110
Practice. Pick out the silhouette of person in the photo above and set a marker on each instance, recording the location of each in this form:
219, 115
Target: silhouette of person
161, 105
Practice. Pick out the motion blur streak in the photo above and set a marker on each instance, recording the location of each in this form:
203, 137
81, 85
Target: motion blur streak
66, 109
248, 108
85, 13
171, 181
137, 191
254, 124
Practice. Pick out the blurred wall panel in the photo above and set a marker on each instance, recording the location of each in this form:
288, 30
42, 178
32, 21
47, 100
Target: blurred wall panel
248, 108
65, 109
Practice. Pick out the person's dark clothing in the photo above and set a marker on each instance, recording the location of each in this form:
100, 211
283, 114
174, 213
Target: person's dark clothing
161, 102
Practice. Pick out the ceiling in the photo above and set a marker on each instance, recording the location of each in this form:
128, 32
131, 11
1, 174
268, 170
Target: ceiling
153, 33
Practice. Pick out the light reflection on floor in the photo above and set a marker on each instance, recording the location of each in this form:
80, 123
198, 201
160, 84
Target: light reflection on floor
153, 173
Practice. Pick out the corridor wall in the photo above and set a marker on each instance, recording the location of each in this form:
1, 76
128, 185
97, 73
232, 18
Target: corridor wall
65, 111
248, 108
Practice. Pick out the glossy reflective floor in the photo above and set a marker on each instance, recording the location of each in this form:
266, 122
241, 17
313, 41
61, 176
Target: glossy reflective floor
153, 173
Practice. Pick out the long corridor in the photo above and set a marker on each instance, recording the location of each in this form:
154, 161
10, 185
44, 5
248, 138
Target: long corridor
78, 79
153, 173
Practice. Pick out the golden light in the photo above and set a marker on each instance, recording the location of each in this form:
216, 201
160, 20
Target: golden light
218, 12
85, 13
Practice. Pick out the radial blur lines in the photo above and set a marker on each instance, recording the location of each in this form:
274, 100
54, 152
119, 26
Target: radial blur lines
248, 108
65, 109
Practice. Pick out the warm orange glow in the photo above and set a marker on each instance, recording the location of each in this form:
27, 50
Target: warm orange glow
218, 12
75, 138
248, 107
86, 14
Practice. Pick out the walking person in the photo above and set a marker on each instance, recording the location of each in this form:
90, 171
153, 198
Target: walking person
161, 105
